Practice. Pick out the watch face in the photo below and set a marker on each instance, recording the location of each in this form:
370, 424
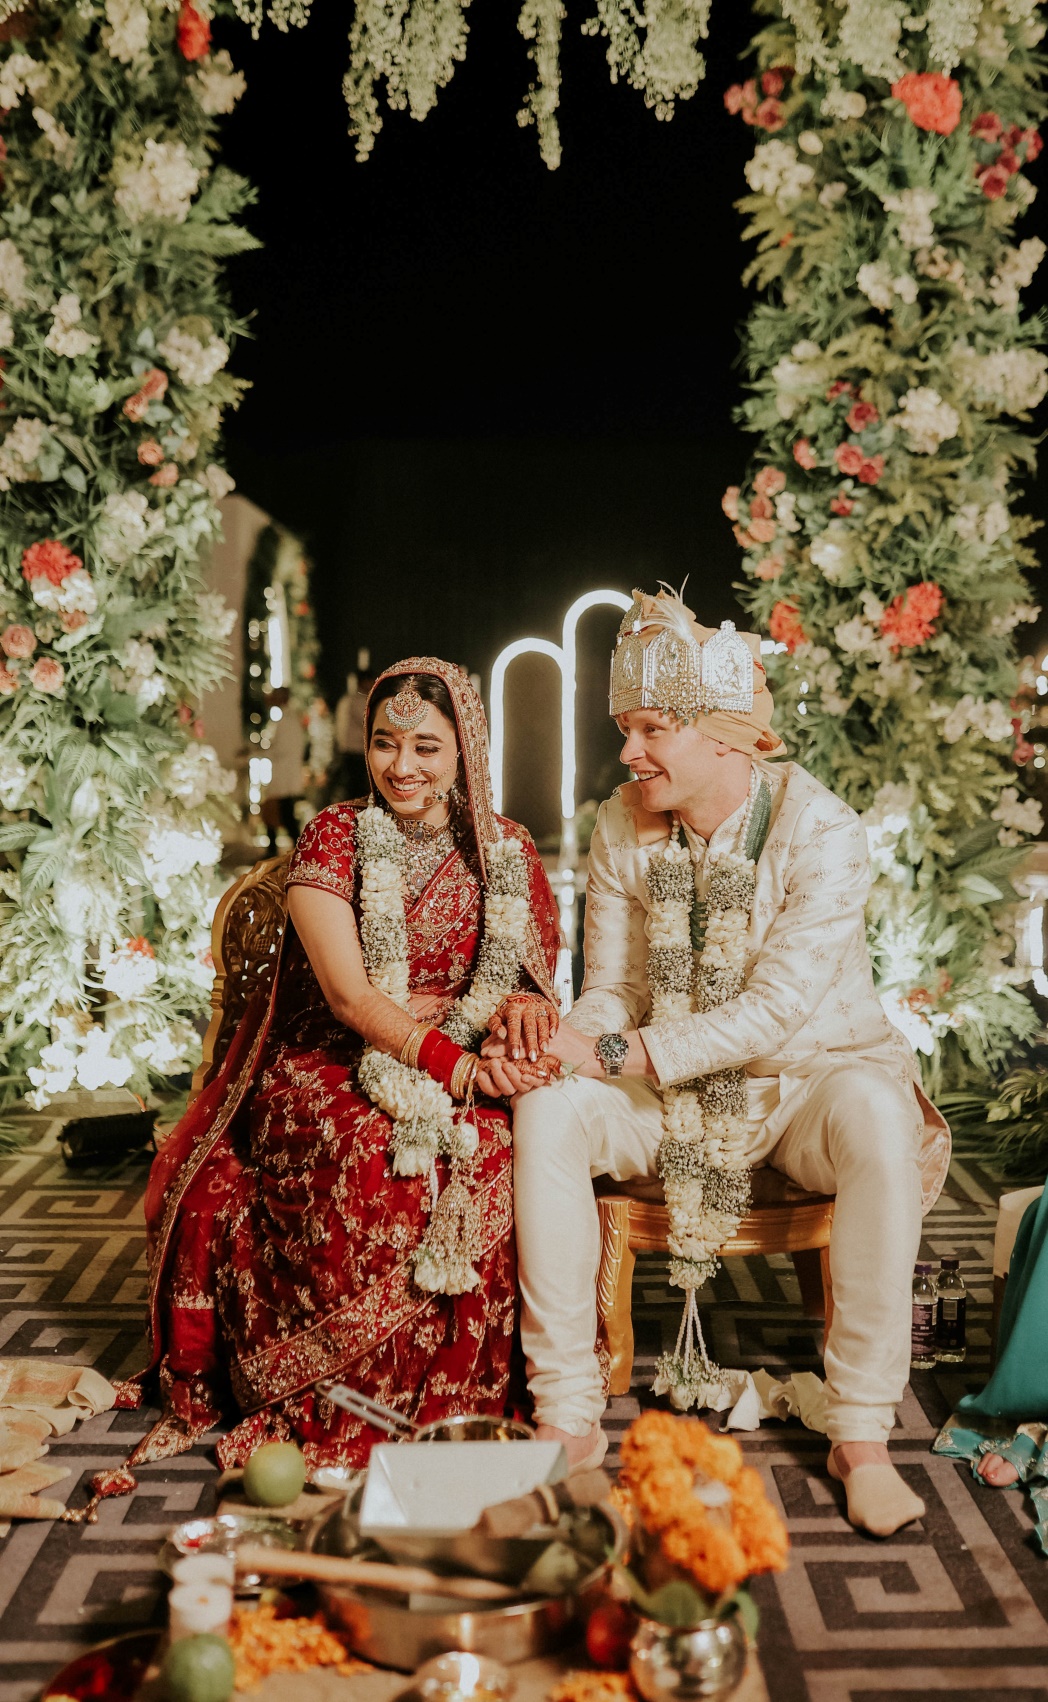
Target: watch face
613, 1049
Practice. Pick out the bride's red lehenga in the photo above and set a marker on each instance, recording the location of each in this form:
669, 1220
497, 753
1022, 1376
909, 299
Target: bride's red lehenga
280, 1240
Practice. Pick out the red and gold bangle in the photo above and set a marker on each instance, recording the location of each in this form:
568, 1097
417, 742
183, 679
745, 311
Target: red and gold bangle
438, 1056
409, 1052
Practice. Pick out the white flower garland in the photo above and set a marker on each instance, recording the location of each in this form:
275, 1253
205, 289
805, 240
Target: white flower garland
423, 1112
701, 1156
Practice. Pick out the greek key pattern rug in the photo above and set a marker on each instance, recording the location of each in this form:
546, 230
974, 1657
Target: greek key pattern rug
955, 1610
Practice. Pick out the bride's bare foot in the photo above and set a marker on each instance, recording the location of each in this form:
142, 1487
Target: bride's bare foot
878, 1499
998, 1473
584, 1453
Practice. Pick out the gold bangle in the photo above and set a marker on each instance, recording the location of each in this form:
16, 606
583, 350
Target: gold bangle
464, 1075
413, 1044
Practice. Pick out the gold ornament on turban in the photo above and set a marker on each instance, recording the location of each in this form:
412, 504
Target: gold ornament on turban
664, 659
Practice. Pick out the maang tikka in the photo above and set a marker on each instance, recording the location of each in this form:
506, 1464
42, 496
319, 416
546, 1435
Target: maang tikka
407, 710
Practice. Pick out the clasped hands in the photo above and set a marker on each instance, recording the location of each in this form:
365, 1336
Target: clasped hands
528, 1046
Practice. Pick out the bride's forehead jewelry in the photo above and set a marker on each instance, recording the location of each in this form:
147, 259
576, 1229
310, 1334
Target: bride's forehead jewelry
407, 710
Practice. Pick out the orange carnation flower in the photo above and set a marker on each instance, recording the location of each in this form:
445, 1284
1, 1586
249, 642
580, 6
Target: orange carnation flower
785, 626
932, 100
909, 619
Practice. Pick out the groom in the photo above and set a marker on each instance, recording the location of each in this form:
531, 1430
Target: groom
825, 1088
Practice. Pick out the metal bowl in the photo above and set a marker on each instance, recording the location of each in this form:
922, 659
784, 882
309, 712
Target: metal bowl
462, 1428
403, 1631
224, 1534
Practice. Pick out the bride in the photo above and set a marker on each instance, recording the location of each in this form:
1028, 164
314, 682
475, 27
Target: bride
337, 1203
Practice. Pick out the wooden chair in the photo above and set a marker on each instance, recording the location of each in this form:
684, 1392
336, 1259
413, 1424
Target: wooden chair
782, 1219
245, 940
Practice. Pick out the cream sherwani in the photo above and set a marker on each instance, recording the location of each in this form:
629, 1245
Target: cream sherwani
834, 1098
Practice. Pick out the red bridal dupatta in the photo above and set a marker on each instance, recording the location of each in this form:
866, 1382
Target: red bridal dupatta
280, 1241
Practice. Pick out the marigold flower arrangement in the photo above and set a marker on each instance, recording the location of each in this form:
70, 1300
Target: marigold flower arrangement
702, 1524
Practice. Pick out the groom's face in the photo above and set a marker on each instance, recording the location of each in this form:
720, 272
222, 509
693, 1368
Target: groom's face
672, 760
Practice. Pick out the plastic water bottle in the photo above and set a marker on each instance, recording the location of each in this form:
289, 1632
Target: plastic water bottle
950, 1306
922, 1329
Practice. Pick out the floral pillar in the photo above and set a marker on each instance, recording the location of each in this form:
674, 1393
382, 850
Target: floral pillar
114, 227
892, 375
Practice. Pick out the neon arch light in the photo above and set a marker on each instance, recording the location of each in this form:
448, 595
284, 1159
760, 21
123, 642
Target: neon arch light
565, 656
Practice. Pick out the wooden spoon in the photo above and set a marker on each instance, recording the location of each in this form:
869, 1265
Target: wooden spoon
373, 1574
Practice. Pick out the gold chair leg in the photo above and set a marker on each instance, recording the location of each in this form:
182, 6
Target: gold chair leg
827, 1289
808, 1266
615, 1290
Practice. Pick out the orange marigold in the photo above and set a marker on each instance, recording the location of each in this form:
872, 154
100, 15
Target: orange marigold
760, 1532
709, 1553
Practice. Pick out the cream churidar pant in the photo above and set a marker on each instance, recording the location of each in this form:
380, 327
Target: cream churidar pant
857, 1135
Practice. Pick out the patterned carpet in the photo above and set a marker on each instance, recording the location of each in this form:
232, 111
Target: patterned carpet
956, 1609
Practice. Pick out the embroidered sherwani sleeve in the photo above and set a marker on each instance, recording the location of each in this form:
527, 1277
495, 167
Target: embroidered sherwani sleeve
804, 953
615, 991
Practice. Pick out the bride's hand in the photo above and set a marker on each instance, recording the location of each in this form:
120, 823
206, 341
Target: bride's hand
527, 1023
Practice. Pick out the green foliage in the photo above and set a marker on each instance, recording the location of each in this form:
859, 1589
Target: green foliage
1010, 1122
115, 225
891, 375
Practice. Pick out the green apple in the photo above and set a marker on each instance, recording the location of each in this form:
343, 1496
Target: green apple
274, 1474
199, 1669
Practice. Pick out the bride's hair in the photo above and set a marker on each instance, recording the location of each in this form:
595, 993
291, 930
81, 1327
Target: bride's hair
431, 690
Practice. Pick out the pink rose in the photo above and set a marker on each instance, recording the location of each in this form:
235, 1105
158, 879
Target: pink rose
861, 415
8, 681
72, 620
770, 481
730, 502
840, 388
47, 675
841, 504
773, 82
165, 476
993, 181
769, 567
761, 509
804, 454
770, 115
871, 469
763, 531
150, 453
987, 127
733, 98
849, 458
18, 641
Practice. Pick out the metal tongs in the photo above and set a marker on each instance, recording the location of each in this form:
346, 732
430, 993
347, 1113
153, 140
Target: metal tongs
372, 1412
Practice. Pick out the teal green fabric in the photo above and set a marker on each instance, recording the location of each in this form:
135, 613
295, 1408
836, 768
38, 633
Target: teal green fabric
1019, 1385
985, 1423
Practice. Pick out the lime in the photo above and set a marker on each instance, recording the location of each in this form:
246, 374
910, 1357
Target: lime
199, 1669
274, 1474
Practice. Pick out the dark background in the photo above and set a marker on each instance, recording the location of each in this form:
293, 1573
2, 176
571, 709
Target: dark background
481, 387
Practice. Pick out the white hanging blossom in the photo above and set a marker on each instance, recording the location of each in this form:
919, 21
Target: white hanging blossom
67, 336
1011, 380
126, 37
193, 362
129, 971
839, 102
540, 24
414, 48
21, 74
161, 185
914, 208
127, 524
870, 35
1021, 818
926, 419
776, 169
880, 287
194, 774
953, 26
217, 85
985, 716
20, 449
62, 143
1015, 271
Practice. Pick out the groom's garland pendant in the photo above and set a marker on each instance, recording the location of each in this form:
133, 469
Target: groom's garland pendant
697, 961
425, 1125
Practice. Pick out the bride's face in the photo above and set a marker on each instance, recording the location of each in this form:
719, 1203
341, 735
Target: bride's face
408, 768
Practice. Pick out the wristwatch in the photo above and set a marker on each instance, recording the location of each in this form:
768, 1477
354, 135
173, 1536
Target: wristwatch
611, 1052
